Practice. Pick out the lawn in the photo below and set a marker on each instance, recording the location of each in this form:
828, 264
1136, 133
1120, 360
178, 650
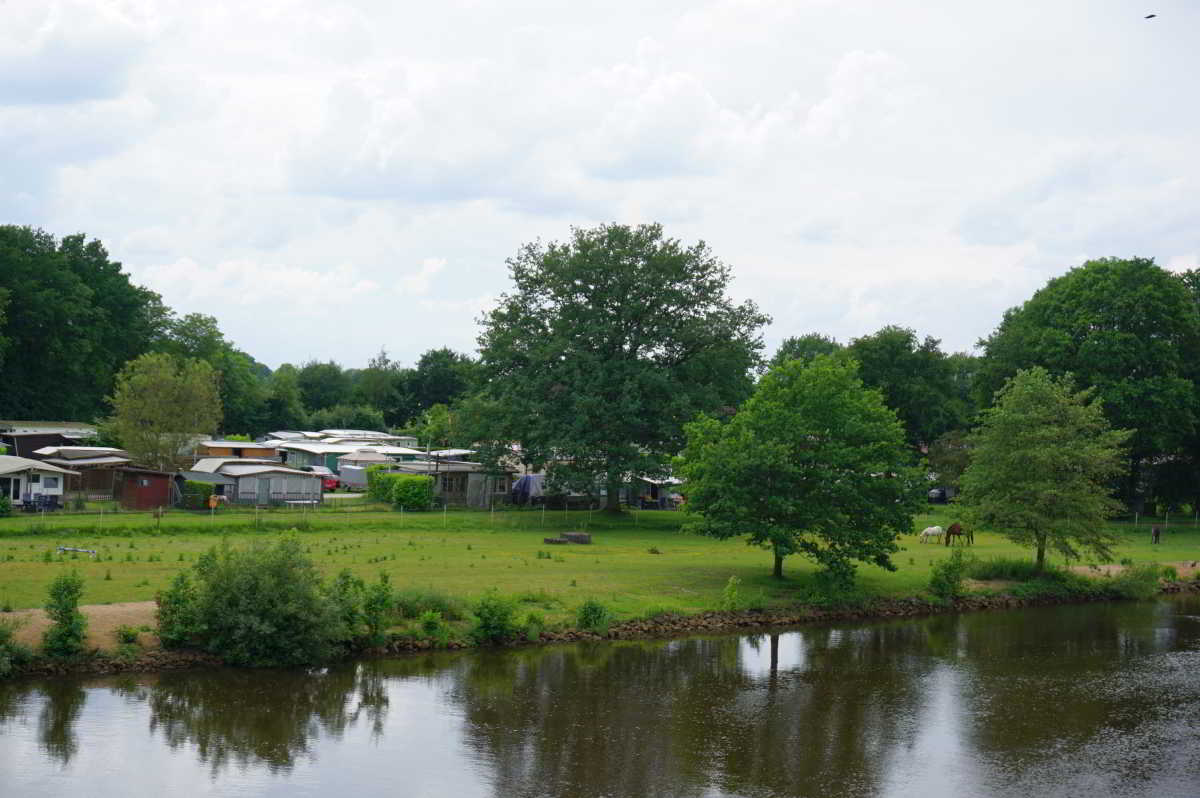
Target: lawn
638, 563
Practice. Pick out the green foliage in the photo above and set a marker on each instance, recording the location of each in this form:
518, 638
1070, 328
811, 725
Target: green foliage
1138, 583
379, 485
322, 385
346, 416
534, 625
411, 492
805, 348
607, 345
731, 600
378, 605
13, 655
1004, 568
1040, 467
946, 576
813, 463
68, 626
5, 506
260, 606
127, 635
411, 602
195, 495
178, 612
1127, 328
593, 616
949, 457
65, 302
915, 378
494, 619
161, 403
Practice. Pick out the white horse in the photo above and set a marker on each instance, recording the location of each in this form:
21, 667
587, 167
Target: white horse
932, 533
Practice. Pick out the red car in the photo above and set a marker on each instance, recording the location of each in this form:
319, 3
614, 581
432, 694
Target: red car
329, 480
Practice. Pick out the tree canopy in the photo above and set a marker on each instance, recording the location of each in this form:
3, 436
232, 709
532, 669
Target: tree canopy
814, 463
160, 403
607, 344
916, 379
72, 318
1125, 327
1041, 464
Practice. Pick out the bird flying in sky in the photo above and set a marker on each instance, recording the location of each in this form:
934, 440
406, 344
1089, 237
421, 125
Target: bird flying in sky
1150, 16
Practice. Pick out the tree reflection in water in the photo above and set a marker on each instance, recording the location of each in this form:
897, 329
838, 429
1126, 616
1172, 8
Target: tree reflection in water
263, 717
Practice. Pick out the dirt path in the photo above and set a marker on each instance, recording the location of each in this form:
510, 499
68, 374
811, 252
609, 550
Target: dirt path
103, 620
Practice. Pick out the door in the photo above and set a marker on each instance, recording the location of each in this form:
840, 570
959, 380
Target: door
264, 491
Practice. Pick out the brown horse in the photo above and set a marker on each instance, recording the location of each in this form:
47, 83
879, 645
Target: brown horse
956, 530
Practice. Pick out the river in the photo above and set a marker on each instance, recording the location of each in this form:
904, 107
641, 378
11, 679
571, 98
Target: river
1091, 700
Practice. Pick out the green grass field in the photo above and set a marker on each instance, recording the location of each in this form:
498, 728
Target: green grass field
639, 563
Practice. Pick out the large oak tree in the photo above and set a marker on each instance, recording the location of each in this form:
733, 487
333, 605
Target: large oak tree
607, 344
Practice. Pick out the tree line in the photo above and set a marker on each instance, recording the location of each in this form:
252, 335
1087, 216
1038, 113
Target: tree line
607, 345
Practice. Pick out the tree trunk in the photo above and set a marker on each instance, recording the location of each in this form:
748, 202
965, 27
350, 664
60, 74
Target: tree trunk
1041, 553
612, 502
778, 572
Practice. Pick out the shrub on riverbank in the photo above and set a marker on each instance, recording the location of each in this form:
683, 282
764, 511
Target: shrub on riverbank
593, 616
13, 655
68, 626
946, 577
494, 619
259, 606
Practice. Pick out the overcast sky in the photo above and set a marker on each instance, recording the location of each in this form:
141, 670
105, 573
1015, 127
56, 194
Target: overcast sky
328, 178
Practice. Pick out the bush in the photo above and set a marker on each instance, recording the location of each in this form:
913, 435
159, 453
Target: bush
1139, 582
946, 578
1006, 568
411, 492
593, 616
379, 489
195, 495
260, 606
378, 606
127, 635
13, 655
178, 612
413, 601
535, 624
5, 506
68, 626
494, 619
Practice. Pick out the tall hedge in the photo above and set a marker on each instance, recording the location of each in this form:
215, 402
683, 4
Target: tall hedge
412, 491
195, 495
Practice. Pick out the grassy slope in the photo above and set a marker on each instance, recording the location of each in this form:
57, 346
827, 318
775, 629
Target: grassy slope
465, 553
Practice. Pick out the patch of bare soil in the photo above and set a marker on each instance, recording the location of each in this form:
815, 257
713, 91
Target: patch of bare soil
1186, 569
103, 620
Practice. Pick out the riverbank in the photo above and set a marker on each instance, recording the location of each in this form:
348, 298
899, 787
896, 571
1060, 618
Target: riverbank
668, 625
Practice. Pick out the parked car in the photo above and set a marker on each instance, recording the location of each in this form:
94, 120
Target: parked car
329, 480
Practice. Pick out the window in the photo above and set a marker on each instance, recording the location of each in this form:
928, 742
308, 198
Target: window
52, 483
35, 479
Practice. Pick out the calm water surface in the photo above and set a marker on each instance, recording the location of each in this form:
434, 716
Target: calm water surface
1091, 701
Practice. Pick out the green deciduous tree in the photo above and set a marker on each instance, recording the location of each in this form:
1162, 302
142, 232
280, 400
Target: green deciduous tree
607, 345
161, 403
814, 463
347, 417
805, 347
68, 626
284, 408
916, 379
1041, 465
73, 319
323, 385
1125, 327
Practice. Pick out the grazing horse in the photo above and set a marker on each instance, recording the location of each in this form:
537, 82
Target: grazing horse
956, 530
931, 533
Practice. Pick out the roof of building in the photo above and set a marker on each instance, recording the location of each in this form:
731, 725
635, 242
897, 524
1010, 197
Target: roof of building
81, 452
239, 444
345, 448
87, 462
206, 477
452, 452
364, 456
13, 465
69, 428
357, 434
212, 465
250, 469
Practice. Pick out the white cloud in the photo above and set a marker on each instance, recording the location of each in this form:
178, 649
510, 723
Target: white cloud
329, 177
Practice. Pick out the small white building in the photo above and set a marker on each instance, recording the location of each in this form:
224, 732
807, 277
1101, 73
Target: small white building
32, 482
262, 482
